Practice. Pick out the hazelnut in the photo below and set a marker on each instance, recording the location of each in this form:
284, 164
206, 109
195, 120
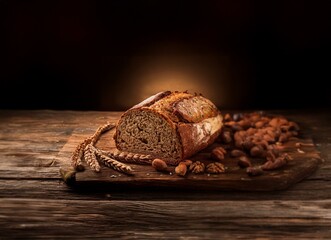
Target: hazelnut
257, 151
187, 162
159, 165
237, 153
181, 169
244, 162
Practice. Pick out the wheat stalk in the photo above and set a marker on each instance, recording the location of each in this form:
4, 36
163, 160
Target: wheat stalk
112, 163
129, 157
90, 157
79, 153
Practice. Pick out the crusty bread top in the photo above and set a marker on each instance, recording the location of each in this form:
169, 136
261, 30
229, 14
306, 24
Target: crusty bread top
152, 99
181, 106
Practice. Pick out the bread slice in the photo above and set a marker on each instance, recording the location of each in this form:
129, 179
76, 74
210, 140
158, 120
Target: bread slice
169, 125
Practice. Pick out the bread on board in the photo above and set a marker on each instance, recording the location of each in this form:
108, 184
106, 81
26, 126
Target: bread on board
169, 125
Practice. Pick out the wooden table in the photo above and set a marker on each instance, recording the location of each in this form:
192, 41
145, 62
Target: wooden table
35, 203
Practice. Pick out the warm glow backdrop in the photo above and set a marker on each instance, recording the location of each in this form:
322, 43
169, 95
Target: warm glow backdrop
109, 55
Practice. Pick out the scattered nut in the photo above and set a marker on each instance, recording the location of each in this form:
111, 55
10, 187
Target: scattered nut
244, 162
215, 168
256, 135
269, 138
247, 144
259, 124
225, 137
187, 162
257, 151
278, 121
160, 165
230, 123
277, 163
283, 138
237, 153
270, 156
197, 167
181, 169
218, 153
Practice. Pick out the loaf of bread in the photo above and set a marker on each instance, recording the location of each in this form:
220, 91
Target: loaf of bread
169, 125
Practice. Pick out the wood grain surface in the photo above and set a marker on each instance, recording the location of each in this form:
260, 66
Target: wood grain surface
36, 204
304, 162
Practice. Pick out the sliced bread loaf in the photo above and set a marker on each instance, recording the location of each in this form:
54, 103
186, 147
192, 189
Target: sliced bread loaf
169, 125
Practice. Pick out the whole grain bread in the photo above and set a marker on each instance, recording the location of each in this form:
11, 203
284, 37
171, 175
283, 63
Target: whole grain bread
169, 125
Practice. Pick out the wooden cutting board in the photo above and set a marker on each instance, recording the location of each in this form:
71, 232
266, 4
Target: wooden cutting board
305, 162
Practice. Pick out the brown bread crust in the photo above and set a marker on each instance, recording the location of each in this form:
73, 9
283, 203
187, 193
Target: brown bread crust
196, 120
152, 99
197, 136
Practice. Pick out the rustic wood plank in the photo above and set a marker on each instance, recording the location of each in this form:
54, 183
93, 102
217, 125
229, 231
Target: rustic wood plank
302, 166
160, 219
29, 140
35, 204
51, 130
56, 189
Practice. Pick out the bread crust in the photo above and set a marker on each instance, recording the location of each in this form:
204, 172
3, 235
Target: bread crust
197, 136
152, 99
195, 119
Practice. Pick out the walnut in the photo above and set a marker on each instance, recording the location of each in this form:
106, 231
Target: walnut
197, 167
225, 137
215, 167
218, 153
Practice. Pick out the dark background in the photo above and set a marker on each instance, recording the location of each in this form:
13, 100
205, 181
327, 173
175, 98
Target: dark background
108, 55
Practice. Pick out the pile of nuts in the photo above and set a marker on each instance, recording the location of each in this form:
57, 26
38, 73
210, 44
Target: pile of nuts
187, 165
243, 137
254, 135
